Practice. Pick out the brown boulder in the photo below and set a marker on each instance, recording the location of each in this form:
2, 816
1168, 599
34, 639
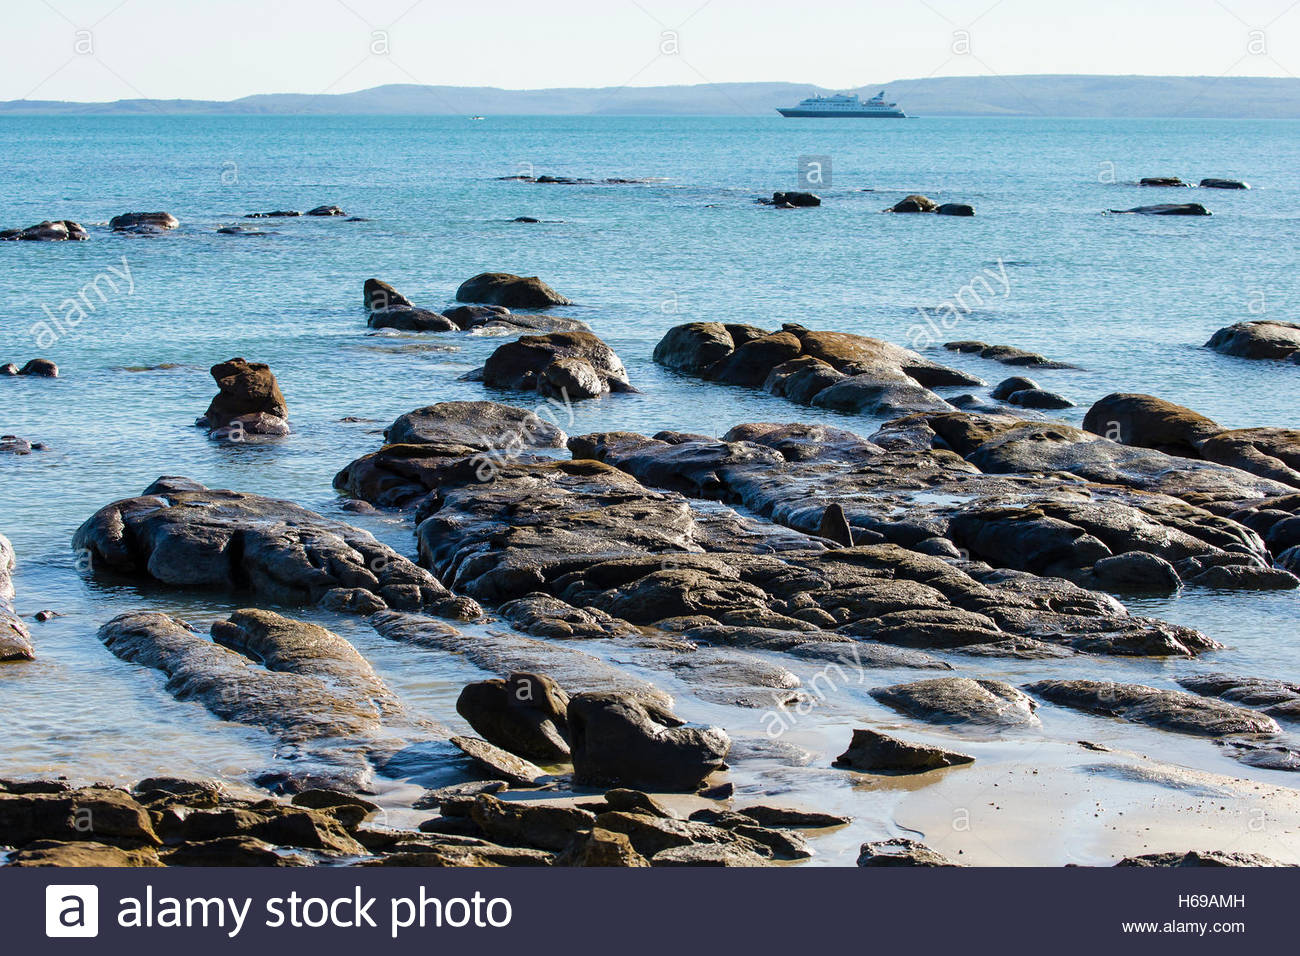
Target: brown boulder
1262, 339
1150, 422
576, 364
247, 390
511, 291
914, 203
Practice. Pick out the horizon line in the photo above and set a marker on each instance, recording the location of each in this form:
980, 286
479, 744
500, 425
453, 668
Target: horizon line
656, 87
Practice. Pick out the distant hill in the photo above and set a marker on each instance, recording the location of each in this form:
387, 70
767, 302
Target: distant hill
1057, 96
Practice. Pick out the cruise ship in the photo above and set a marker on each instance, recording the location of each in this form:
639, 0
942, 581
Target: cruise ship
844, 105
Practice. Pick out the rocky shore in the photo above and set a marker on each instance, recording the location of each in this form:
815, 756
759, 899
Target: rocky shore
640, 609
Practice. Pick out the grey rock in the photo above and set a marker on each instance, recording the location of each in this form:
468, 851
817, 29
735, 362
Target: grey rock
1165, 709
960, 700
184, 535
499, 764
873, 752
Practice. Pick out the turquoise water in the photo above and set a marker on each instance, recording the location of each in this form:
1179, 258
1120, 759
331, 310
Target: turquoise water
1129, 299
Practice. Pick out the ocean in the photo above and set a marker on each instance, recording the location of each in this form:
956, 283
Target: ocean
1131, 300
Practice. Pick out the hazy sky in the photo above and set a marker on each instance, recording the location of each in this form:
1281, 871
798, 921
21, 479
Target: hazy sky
114, 49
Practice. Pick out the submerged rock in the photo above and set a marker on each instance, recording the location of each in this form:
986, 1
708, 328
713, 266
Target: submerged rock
143, 222
1038, 398
565, 365
1007, 355
248, 402
14, 445
914, 203
1168, 209
1009, 386
503, 652
873, 752
1261, 339
1165, 709
57, 230
39, 368
511, 291
182, 534
15, 640
794, 200
408, 319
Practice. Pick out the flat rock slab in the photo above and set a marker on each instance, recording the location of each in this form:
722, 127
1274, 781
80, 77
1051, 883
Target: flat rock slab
182, 534
500, 764
297, 681
1277, 698
873, 752
960, 700
594, 536
786, 817
465, 428
1165, 709
907, 487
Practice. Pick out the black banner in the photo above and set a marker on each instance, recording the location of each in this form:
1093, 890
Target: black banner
588, 910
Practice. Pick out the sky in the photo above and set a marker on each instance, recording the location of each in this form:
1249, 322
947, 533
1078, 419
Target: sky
97, 50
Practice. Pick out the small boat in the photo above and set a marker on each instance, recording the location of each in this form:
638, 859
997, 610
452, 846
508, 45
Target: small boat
478, 117
843, 106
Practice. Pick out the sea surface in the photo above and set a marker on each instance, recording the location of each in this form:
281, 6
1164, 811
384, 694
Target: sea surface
1131, 300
